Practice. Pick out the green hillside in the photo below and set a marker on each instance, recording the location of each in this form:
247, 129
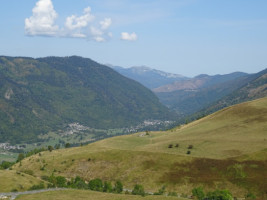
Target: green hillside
46, 94
253, 87
226, 150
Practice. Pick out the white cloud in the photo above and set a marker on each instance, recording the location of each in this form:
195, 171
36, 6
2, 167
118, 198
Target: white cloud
97, 34
42, 22
85, 26
128, 36
74, 22
105, 24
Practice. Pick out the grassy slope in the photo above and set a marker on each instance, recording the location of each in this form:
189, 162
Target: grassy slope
229, 152
11, 180
90, 195
231, 132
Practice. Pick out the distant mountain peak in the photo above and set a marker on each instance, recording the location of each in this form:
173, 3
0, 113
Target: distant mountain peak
149, 77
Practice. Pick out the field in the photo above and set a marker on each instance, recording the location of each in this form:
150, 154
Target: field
226, 150
89, 195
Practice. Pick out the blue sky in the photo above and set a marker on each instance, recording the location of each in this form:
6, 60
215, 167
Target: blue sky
188, 37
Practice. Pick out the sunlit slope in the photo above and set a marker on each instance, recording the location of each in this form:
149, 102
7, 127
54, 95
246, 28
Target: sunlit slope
11, 180
229, 152
234, 131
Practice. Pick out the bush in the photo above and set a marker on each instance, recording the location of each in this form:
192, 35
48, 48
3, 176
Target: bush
188, 152
199, 193
138, 190
118, 188
96, 184
107, 187
45, 178
60, 181
219, 194
28, 171
37, 187
173, 194
161, 191
6, 165
170, 146
250, 196
190, 146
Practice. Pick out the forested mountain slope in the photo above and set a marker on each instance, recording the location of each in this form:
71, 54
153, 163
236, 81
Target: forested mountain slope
40, 95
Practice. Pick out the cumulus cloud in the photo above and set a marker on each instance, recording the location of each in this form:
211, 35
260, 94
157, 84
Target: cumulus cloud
42, 22
105, 24
74, 22
128, 36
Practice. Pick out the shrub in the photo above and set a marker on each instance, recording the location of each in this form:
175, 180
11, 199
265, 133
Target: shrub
250, 196
177, 145
28, 171
219, 194
60, 181
190, 146
45, 178
161, 191
96, 184
107, 187
199, 193
118, 188
138, 190
188, 152
37, 187
170, 146
173, 194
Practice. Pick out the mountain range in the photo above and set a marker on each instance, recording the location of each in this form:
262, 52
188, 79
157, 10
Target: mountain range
151, 78
44, 94
201, 94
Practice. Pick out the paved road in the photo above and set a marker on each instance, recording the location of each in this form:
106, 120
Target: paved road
13, 195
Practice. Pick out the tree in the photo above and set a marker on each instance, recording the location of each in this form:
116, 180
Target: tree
6, 165
118, 188
138, 190
20, 157
199, 193
50, 148
67, 145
